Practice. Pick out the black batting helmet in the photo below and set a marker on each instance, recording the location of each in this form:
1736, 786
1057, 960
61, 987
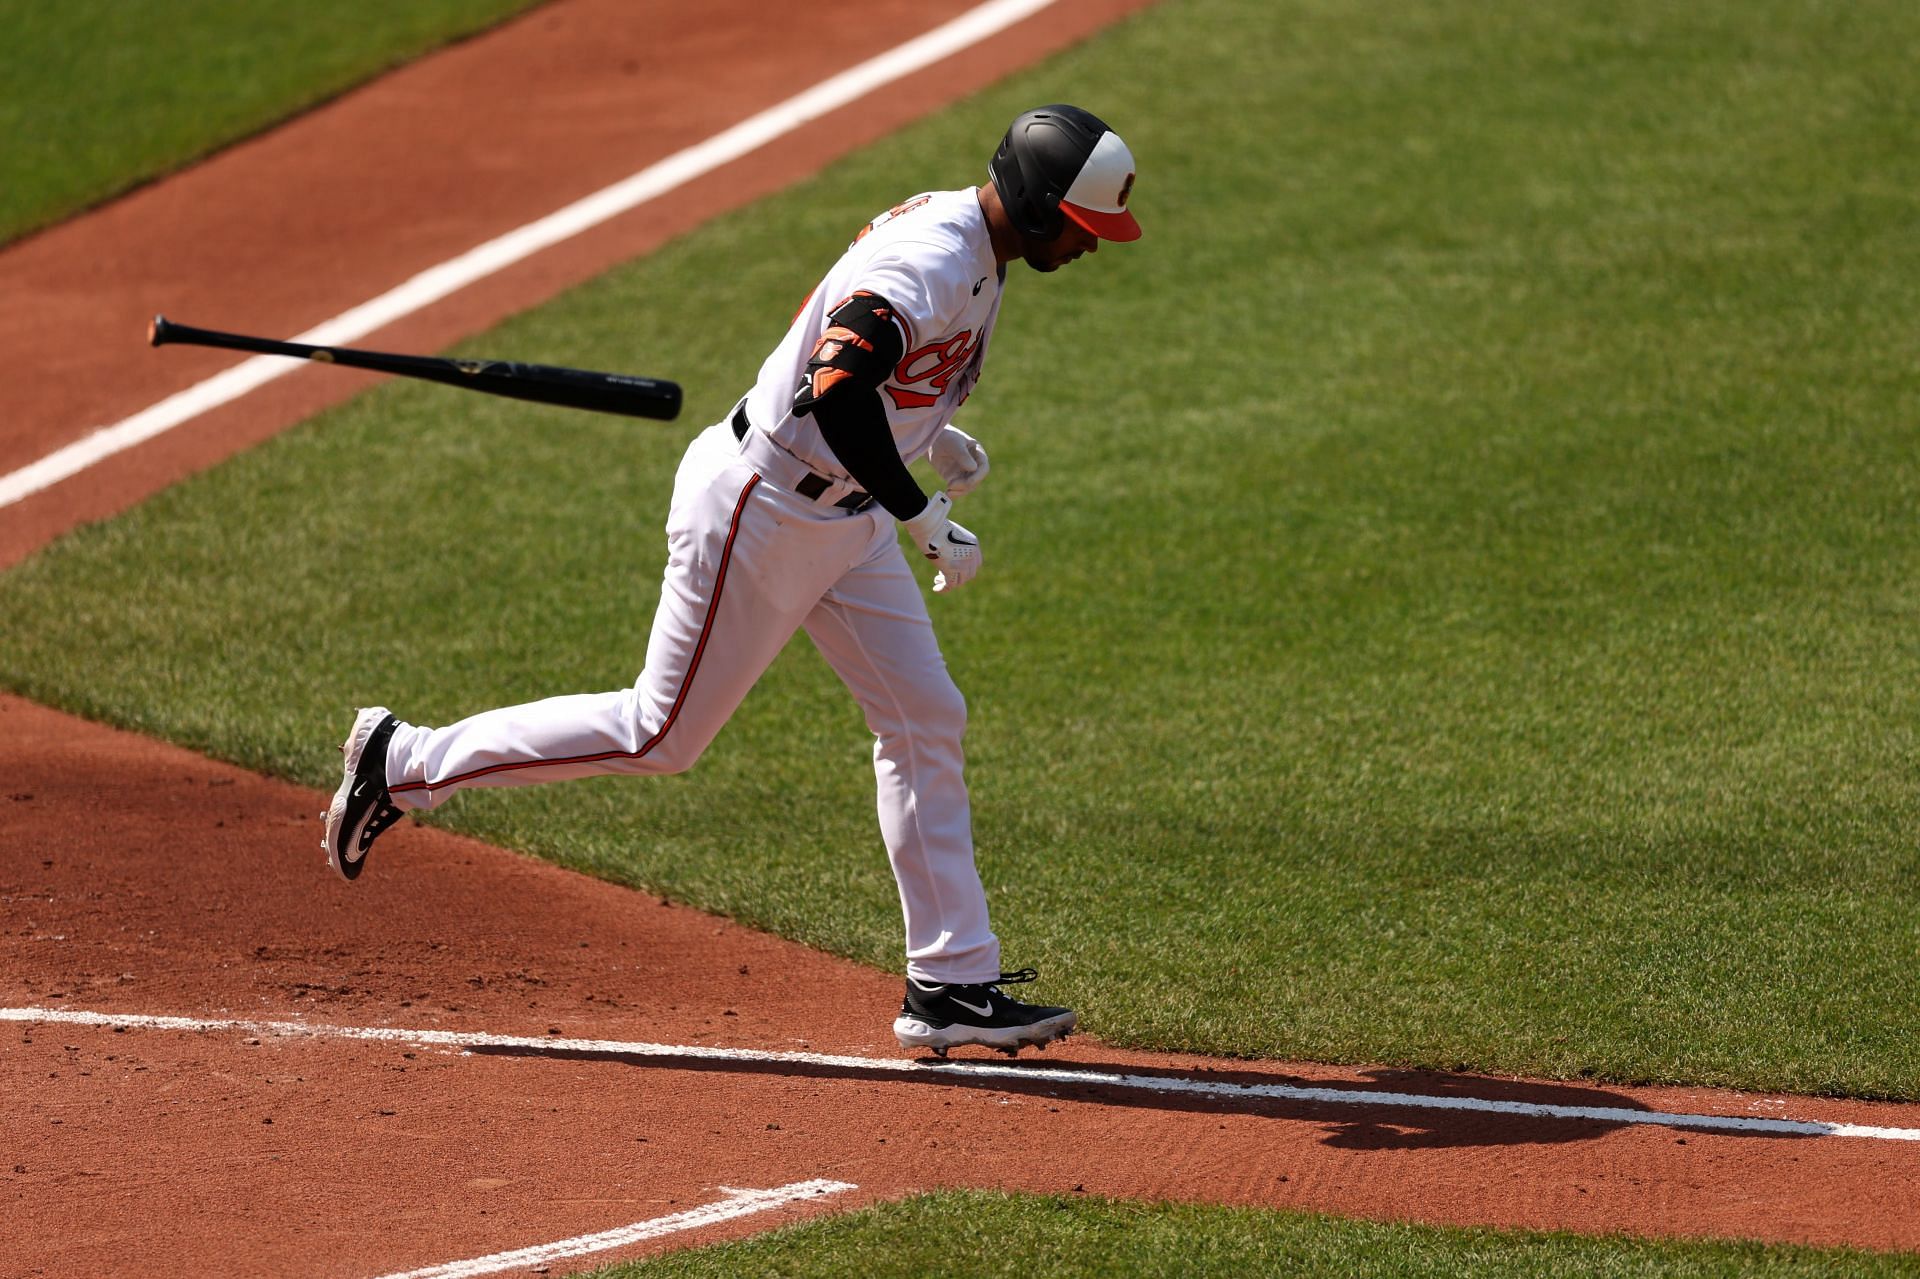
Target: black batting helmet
1061, 162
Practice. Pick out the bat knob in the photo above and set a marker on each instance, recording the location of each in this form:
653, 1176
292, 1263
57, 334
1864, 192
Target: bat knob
157, 330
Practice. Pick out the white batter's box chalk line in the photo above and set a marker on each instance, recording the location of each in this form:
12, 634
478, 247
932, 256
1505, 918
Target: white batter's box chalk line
978, 1070
738, 1203
435, 283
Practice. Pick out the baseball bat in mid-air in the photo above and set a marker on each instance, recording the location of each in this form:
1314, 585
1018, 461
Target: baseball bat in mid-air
542, 383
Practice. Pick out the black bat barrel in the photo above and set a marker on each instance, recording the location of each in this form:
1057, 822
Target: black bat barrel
622, 393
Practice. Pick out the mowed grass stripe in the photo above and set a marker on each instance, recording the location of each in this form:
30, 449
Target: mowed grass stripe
974, 1235
97, 96
1449, 587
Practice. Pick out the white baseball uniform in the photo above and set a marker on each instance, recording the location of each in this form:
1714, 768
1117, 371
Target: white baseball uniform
763, 539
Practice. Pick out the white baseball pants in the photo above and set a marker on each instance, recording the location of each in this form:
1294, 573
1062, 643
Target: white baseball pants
750, 562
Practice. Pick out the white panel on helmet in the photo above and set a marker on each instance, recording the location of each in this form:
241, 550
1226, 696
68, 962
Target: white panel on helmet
1101, 185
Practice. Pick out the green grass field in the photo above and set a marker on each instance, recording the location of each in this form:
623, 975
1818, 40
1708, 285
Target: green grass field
1449, 594
97, 96
1450, 588
974, 1236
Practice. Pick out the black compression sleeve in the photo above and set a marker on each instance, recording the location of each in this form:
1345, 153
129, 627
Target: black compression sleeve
856, 352
854, 425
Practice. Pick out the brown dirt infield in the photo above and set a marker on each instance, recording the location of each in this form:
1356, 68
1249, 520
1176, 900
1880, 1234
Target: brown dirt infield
142, 879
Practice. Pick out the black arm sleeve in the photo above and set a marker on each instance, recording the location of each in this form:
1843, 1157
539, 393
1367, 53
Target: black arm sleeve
856, 352
854, 425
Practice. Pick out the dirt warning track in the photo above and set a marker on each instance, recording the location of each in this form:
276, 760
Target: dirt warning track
220, 1059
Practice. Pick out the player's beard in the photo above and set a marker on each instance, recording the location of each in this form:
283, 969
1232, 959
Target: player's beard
1043, 257
1050, 255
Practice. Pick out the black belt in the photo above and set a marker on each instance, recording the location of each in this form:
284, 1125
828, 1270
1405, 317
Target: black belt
811, 486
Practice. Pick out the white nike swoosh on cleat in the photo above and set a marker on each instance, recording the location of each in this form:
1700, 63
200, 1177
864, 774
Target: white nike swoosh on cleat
980, 1012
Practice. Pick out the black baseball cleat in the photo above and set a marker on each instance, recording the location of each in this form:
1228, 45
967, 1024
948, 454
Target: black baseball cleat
938, 1017
361, 808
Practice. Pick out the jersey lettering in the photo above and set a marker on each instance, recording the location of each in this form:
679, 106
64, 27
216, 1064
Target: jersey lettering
932, 365
907, 207
906, 339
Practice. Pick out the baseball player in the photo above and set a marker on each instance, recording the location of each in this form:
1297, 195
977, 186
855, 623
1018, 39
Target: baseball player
783, 517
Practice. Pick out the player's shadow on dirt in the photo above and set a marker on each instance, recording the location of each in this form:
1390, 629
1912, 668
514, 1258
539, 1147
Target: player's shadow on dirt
1384, 1126
1439, 1111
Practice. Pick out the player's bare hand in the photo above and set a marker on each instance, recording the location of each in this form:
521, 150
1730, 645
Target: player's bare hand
947, 544
960, 460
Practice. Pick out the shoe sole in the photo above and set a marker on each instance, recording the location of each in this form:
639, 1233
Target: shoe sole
912, 1032
338, 839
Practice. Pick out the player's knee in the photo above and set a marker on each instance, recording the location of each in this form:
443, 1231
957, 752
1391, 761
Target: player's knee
943, 711
663, 744
934, 710
676, 752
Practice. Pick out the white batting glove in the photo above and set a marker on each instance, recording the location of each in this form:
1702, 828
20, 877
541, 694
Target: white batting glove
952, 547
961, 461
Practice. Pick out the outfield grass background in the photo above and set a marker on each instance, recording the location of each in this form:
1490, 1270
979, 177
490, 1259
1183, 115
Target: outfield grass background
1449, 592
97, 96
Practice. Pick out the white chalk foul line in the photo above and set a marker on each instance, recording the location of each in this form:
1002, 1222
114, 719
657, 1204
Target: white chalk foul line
497, 254
975, 1070
738, 1203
